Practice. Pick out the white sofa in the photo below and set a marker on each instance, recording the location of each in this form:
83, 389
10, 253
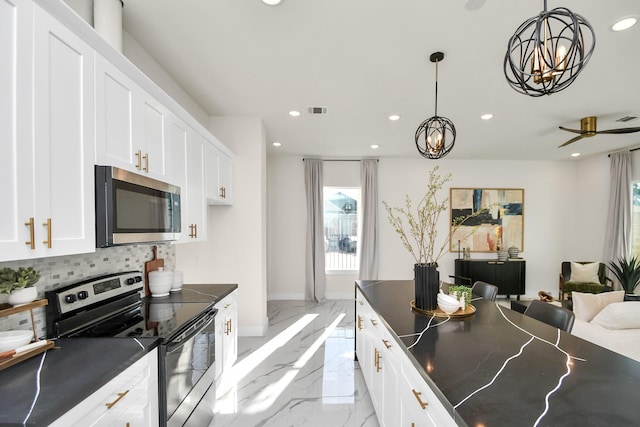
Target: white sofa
605, 320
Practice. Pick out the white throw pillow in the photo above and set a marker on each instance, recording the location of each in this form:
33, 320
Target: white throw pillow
586, 306
584, 273
619, 315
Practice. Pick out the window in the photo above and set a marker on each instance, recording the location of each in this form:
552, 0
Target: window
341, 228
635, 220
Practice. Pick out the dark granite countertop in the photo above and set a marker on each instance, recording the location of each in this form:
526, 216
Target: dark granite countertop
499, 367
211, 293
69, 374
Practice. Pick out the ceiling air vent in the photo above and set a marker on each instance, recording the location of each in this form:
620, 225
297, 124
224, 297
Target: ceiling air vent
626, 119
320, 111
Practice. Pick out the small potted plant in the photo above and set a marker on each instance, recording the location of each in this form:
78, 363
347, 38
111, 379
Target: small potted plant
19, 284
627, 271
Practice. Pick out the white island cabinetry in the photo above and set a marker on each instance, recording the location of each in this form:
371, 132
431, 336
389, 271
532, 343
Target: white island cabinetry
400, 396
130, 399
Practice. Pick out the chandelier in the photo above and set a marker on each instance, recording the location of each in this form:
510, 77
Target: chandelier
436, 135
548, 51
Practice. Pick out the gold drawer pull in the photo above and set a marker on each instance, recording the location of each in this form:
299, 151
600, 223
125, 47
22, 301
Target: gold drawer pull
373, 322
417, 394
359, 322
120, 396
32, 236
139, 162
386, 343
361, 302
47, 242
378, 367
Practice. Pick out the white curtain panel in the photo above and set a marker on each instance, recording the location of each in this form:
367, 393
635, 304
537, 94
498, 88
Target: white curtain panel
368, 245
618, 233
314, 269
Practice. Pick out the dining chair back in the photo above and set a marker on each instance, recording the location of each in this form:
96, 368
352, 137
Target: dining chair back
550, 314
485, 290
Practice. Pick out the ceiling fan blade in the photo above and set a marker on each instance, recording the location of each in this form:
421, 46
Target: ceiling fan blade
570, 130
571, 141
621, 130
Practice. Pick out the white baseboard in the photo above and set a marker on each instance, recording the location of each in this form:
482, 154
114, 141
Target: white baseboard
295, 296
254, 331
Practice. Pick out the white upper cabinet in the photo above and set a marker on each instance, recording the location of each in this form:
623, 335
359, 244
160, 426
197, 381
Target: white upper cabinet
16, 137
50, 175
131, 125
194, 213
219, 176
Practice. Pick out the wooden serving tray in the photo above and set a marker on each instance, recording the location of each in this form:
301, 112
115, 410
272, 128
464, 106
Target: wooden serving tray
468, 311
17, 358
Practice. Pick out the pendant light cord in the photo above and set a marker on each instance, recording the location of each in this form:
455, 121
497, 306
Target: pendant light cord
436, 113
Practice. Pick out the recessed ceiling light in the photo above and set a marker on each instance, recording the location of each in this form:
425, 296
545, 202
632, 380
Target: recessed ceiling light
375, 146
271, 2
624, 23
394, 117
294, 113
487, 116
276, 144
575, 154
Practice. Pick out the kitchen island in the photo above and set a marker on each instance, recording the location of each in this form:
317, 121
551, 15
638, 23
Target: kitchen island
494, 368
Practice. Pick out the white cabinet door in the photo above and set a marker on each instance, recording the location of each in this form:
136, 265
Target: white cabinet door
63, 139
131, 398
114, 116
196, 229
152, 139
390, 370
219, 177
226, 332
16, 136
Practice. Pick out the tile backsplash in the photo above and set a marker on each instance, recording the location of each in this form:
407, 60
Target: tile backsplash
60, 271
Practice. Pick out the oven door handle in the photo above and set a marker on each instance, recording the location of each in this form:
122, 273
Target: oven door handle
194, 329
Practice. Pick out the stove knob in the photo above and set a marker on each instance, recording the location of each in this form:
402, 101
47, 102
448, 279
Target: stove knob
131, 281
70, 298
83, 295
138, 279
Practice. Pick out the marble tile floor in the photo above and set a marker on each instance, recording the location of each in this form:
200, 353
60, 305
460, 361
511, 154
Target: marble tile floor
302, 373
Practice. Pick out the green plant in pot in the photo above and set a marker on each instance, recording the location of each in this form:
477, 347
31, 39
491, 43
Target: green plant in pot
627, 271
19, 284
417, 229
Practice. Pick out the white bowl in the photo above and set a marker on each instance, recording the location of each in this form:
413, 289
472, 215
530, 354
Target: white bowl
10, 340
448, 308
447, 299
160, 282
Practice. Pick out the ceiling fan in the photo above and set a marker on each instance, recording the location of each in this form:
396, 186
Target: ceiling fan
588, 128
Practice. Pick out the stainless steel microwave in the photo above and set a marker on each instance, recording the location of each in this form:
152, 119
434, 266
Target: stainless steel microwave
132, 208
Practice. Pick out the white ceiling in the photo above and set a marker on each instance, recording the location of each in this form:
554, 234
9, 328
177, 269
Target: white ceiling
367, 59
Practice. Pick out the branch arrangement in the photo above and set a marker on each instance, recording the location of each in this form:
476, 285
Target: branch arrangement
417, 229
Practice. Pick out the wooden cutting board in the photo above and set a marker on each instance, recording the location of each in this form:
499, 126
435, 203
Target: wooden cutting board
149, 266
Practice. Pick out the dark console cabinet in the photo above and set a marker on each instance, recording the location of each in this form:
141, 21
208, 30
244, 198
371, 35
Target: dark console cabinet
508, 275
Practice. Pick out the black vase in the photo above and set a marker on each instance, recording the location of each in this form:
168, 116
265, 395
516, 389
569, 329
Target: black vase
427, 283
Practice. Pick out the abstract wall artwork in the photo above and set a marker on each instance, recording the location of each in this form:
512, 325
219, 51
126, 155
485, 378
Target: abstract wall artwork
499, 227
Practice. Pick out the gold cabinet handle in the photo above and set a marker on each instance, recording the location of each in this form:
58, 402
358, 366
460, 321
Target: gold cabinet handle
386, 343
194, 230
227, 327
227, 306
361, 302
139, 162
120, 396
221, 193
375, 358
359, 322
378, 367
32, 236
47, 242
417, 394
146, 162
373, 322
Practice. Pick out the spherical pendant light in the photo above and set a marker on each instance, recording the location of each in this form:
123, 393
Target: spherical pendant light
436, 135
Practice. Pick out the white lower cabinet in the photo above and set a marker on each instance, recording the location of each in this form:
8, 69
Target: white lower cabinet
226, 332
130, 399
400, 396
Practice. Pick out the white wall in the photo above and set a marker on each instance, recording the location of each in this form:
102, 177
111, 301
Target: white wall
235, 250
564, 216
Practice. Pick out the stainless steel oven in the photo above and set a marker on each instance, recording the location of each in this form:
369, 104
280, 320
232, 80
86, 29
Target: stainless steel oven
112, 306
